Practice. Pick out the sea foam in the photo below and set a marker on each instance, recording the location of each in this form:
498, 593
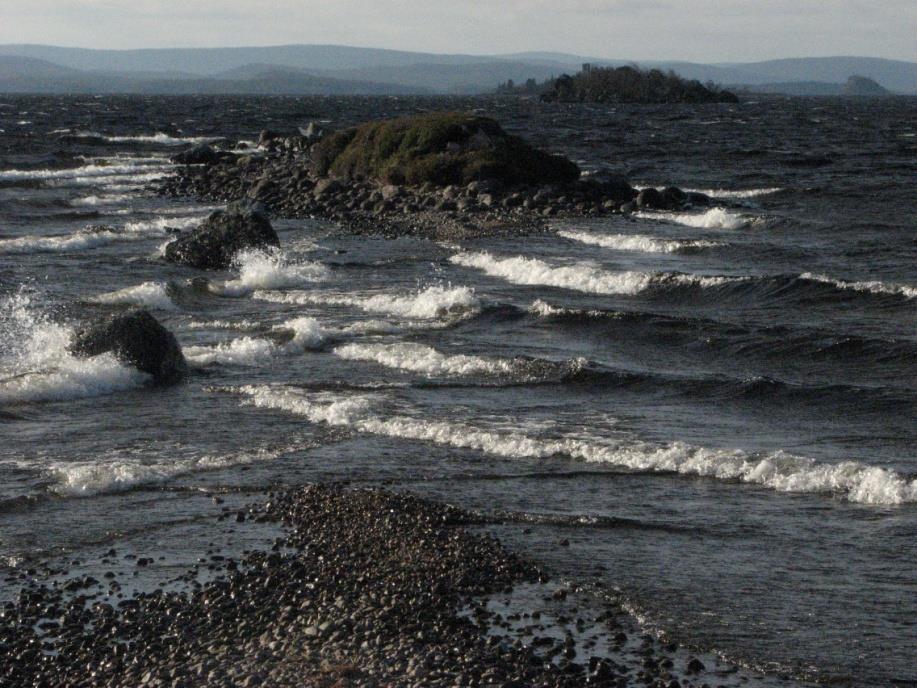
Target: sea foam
737, 193
777, 470
306, 333
159, 137
94, 236
148, 294
579, 276
872, 287
419, 358
36, 364
634, 242
268, 270
431, 303
715, 218
110, 474
94, 171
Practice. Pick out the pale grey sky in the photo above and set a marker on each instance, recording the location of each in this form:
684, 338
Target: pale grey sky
699, 30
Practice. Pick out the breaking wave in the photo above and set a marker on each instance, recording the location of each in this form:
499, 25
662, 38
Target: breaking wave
268, 270
92, 237
634, 242
419, 358
579, 276
779, 470
94, 171
737, 193
111, 475
291, 337
715, 218
872, 287
159, 137
431, 303
36, 364
148, 294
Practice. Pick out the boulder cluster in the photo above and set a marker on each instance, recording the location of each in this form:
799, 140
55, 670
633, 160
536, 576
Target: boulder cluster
136, 338
366, 588
440, 175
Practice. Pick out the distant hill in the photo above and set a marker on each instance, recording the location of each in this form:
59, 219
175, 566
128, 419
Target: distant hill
319, 68
29, 75
897, 76
854, 86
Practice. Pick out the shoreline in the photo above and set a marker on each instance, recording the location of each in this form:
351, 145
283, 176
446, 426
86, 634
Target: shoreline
279, 174
366, 587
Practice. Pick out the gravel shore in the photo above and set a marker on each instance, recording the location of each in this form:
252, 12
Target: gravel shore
365, 588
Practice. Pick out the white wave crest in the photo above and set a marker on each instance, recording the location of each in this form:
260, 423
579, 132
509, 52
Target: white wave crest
114, 182
737, 193
431, 303
111, 474
253, 351
778, 470
158, 137
244, 351
419, 358
268, 270
36, 364
149, 294
240, 325
715, 218
633, 242
579, 276
104, 199
93, 171
93, 237
873, 286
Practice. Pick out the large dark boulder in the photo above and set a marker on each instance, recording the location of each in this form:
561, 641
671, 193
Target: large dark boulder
136, 338
214, 245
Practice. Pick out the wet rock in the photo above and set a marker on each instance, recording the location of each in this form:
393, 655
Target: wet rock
695, 665
215, 244
136, 338
198, 155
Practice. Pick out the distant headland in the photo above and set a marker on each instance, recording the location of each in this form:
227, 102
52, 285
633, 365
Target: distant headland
344, 70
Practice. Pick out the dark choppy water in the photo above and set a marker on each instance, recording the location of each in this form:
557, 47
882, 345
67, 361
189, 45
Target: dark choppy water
718, 408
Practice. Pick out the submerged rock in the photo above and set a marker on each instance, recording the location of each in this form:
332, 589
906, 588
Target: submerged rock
135, 338
214, 245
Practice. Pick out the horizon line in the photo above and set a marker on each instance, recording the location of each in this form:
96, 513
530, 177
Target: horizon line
448, 54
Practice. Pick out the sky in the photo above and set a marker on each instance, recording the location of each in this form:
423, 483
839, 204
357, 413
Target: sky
696, 30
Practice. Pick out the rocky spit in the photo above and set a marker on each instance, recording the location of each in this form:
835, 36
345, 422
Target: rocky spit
279, 173
365, 588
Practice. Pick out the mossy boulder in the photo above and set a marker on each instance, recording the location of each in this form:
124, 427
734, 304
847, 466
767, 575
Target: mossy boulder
438, 148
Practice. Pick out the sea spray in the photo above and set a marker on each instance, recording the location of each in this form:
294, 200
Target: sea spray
259, 269
37, 365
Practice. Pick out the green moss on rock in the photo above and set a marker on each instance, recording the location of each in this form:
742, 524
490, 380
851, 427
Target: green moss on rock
439, 148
